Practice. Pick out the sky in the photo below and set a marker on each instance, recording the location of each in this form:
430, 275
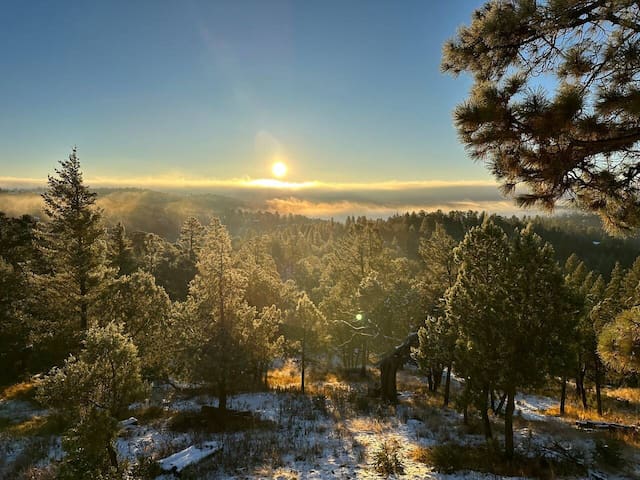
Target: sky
209, 94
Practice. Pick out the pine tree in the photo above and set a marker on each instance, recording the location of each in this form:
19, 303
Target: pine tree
15, 329
631, 286
191, 237
440, 268
121, 256
477, 306
619, 342
355, 258
308, 330
73, 236
558, 145
215, 318
143, 309
92, 391
510, 311
539, 326
588, 292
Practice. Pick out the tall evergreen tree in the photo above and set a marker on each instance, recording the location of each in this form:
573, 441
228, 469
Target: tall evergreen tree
215, 319
120, 252
191, 237
478, 307
511, 315
437, 336
74, 236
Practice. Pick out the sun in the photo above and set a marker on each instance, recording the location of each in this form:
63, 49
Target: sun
279, 169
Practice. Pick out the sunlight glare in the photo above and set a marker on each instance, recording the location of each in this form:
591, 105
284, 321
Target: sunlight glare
279, 169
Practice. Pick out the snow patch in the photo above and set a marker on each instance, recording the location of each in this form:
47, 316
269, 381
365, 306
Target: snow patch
182, 459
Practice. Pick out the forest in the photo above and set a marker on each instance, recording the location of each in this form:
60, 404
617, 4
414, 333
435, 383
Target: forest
159, 334
102, 323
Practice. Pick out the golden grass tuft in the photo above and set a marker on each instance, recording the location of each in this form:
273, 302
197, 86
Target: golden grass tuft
44, 425
285, 377
19, 391
420, 454
574, 412
366, 424
631, 395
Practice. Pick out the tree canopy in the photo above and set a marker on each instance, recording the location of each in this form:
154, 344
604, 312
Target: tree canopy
555, 104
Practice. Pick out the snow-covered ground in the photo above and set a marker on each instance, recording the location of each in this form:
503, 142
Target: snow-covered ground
308, 437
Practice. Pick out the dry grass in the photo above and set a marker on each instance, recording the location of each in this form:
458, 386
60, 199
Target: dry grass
575, 412
284, 378
19, 391
37, 426
631, 395
367, 424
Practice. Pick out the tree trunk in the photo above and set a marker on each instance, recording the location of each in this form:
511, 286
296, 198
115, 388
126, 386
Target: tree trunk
388, 369
302, 364
113, 457
485, 414
363, 369
582, 393
222, 395
465, 399
563, 395
508, 423
447, 386
437, 378
498, 410
597, 369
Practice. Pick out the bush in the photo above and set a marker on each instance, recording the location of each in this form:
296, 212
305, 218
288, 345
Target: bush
92, 390
450, 458
609, 453
387, 460
146, 468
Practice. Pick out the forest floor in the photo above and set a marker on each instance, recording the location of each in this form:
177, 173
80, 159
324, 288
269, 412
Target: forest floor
335, 431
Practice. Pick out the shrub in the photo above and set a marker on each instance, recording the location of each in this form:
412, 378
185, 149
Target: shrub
387, 460
450, 458
609, 453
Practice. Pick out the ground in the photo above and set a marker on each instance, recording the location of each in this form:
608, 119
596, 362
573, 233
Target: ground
335, 431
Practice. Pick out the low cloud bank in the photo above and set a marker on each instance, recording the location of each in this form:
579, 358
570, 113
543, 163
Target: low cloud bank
313, 199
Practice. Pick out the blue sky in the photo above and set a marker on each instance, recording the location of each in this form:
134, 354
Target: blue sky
344, 91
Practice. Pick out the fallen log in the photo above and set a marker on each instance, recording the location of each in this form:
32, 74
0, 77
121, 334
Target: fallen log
612, 427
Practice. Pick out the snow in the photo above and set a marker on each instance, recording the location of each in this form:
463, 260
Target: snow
19, 410
129, 422
182, 459
531, 407
142, 441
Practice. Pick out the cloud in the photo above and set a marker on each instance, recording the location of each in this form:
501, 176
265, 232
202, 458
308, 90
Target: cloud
180, 182
24, 203
314, 198
340, 209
